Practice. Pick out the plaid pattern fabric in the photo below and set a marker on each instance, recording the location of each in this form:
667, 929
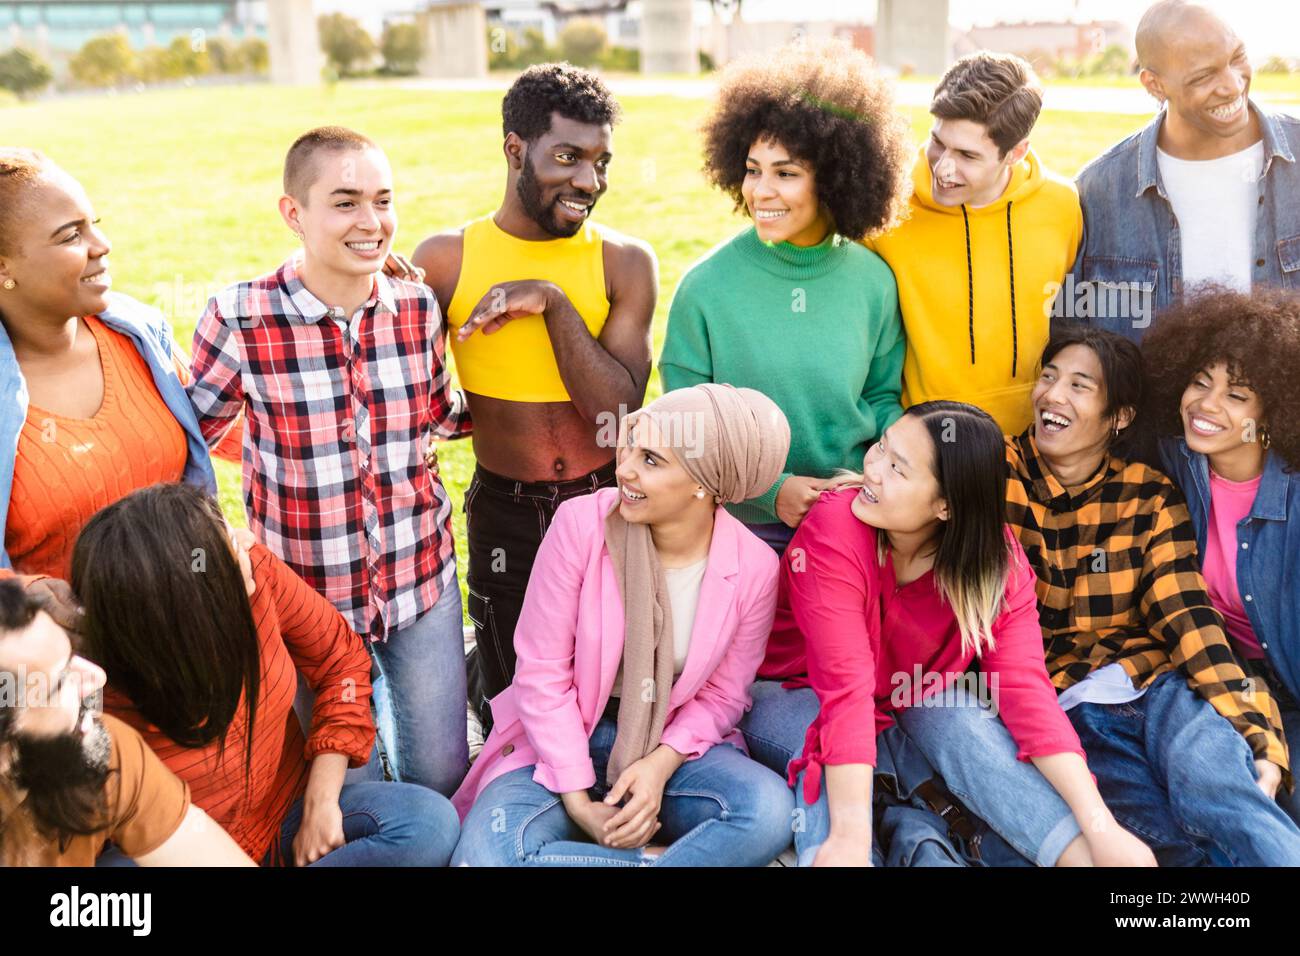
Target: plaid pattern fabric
1119, 582
339, 413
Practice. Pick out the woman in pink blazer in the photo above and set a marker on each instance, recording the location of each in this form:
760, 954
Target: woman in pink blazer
651, 585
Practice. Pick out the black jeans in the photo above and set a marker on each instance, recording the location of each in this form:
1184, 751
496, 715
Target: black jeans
506, 521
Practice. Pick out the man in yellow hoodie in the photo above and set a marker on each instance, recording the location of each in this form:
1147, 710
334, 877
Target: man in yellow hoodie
990, 236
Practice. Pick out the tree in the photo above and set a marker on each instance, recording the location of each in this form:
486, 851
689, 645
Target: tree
185, 59
1276, 64
103, 61
533, 49
254, 56
402, 47
582, 41
22, 72
223, 55
344, 41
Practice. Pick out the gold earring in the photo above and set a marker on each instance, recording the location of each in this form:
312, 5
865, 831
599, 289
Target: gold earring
1265, 440
10, 284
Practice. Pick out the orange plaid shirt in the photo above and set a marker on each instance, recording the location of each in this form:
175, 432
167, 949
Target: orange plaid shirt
1119, 582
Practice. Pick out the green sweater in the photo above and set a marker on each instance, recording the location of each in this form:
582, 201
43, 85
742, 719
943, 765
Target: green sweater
816, 329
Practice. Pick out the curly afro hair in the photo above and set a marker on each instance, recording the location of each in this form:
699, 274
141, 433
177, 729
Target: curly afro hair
562, 88
825, 103
1257, 336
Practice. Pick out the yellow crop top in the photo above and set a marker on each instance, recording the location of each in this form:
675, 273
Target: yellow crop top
517, 362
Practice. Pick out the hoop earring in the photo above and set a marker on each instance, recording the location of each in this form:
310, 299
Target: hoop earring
1265, 440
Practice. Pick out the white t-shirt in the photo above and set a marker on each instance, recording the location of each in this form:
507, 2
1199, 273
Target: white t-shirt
1216, 202
1106, 685
684, 597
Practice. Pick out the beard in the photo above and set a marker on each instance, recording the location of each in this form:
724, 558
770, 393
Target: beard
64, 777
529, 191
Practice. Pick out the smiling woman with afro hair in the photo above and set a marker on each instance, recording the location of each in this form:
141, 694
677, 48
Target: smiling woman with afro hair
826, 105
808, 144
1221, 369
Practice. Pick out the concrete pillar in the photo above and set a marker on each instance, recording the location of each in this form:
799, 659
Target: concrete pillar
668, 37
455, 41
293, 42
913, 33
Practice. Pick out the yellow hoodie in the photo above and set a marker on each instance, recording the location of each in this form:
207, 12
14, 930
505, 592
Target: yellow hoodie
967, 339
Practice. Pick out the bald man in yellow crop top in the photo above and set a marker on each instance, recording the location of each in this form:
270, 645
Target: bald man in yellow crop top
551, 321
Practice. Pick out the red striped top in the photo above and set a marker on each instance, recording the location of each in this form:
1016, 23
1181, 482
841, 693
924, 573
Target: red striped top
299, 631
69, 468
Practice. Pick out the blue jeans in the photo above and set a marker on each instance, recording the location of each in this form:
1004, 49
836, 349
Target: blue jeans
384, 824
1178, 774
420, 698
1028, 815
971, 749
723, 809
1290, 802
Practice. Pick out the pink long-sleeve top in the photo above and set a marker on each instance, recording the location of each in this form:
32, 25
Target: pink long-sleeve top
569, 643
846, 628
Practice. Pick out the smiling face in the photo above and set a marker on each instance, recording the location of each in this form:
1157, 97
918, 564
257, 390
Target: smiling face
965, 165
562, 173
347, 220
1220, 412
780, 194
57, 683
900, 491
654, 488
1070, 406
55, 254
1201, 69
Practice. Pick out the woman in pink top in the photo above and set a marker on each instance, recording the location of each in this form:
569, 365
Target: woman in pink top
641, 630
896, 583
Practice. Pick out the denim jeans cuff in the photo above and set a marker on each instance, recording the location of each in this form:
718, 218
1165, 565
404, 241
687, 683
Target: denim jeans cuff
1061, 835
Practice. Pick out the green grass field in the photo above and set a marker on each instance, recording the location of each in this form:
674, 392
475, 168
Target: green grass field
186, 183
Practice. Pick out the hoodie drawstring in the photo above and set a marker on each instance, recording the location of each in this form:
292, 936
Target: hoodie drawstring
970, 286
970, 291
1011, 277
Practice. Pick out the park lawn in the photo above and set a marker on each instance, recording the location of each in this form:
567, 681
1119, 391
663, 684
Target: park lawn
186, 183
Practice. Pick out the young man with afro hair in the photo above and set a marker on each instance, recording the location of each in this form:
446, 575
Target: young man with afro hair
551, 319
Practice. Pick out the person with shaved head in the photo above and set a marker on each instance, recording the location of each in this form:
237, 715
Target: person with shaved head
1208, 191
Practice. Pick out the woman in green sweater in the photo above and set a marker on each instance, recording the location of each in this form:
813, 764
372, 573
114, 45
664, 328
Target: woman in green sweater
809, 145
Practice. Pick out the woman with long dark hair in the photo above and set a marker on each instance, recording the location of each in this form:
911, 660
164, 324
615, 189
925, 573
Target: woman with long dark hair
203, 660
1186, 750
897, 582
1224, 402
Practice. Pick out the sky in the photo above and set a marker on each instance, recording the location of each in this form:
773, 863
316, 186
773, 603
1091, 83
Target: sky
1268, 26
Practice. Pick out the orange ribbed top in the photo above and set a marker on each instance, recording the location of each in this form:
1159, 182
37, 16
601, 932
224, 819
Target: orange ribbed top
69, 468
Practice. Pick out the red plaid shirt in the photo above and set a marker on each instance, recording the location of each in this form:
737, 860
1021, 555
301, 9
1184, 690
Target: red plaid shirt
339, 413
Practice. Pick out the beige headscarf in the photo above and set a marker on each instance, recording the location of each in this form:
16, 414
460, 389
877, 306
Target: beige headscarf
734, 442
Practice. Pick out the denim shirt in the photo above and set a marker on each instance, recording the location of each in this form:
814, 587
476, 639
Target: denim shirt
1129, 265
152, 337
1268, 556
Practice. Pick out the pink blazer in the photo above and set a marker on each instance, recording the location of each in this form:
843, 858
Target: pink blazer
569, 644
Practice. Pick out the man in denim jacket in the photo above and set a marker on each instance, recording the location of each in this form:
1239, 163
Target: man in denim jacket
1209, 190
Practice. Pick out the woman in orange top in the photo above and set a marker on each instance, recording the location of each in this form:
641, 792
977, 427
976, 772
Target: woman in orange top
188, 640
101, 409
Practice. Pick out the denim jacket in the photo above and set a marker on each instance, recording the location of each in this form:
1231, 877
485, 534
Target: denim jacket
1131, 254
1268, 560
152, 337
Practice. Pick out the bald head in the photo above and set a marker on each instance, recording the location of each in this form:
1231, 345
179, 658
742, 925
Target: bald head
1166, 26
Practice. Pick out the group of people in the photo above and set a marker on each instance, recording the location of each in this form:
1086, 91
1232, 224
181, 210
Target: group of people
959, 536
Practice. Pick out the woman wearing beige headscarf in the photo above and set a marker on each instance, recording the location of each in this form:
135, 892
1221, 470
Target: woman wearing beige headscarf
645, 620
